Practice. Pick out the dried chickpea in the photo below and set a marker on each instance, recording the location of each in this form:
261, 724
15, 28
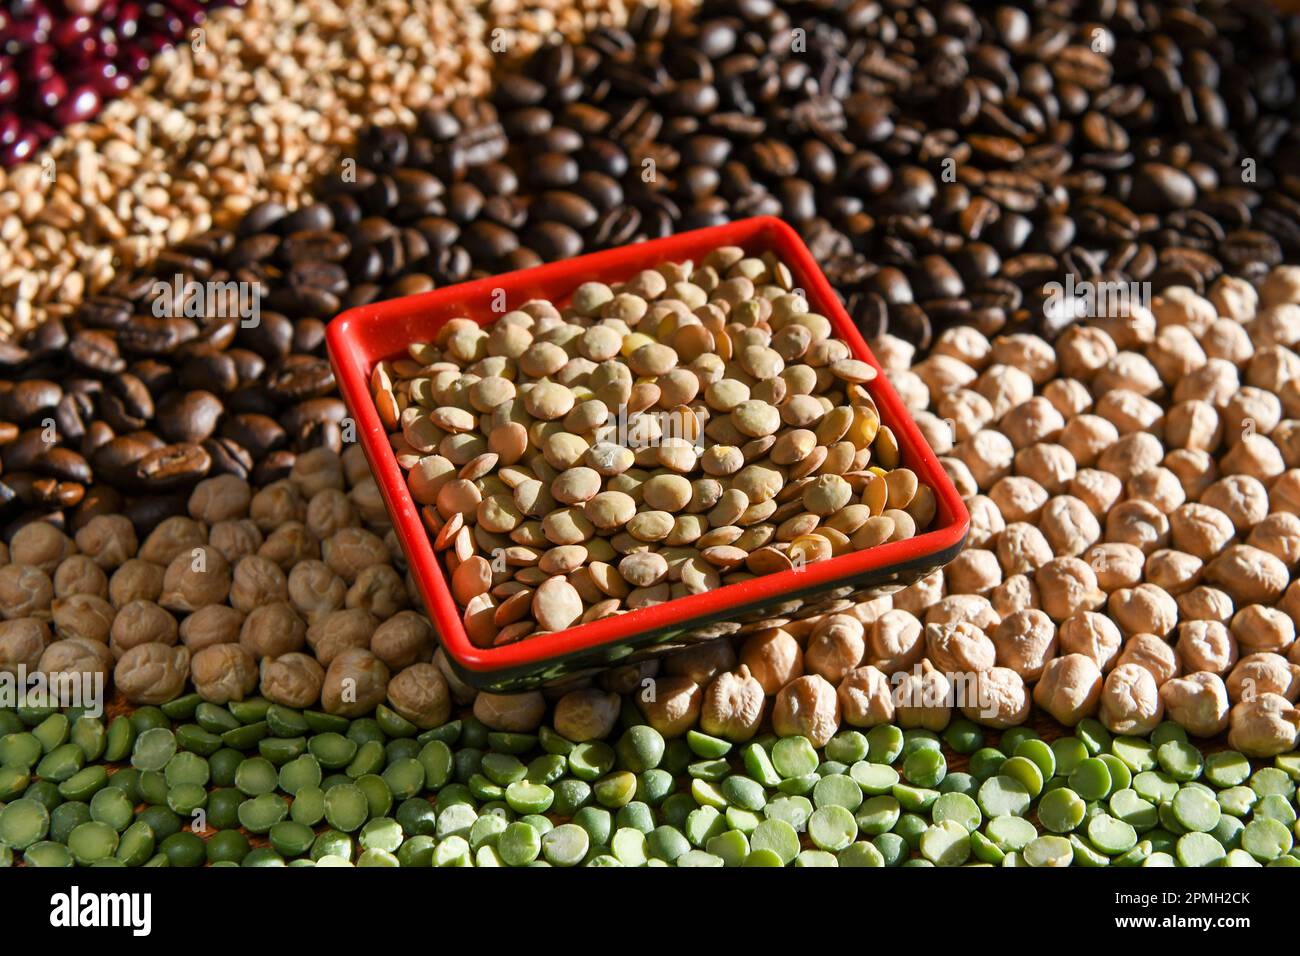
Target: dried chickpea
974, 571
1024, 642
214, 624
1022, 549
974, 609
733, 706
1278, 534
78, 574
108, 540
291, 680
1067, 586
1205, 646
959, 648
1003, 700
141, 622
1138, 523
1050, 465
923, 698
1130, 701
1070, 688
1248, 574
82, 615
1016, 593
22, 642
702, 662
152, 673
404, 639
835, 647
1173, 571
1145, 609
1069, 526
1093, 635
773, 657
1198, 702
356, 682
1153, 653
1264, 727
807, 706
896, 642
78, 656
1205, 604
1099, 490
39, 544
920, 594
1200, 530
671, 705
1116, 565
1264, 673
865, 697
419, 693
1259, 628
223, 672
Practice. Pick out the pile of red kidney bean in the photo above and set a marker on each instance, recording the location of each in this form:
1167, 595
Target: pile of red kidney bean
61, 60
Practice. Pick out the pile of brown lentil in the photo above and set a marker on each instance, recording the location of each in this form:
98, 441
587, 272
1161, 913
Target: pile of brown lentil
689, 428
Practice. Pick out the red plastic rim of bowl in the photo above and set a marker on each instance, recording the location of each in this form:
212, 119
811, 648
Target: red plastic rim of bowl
359, 338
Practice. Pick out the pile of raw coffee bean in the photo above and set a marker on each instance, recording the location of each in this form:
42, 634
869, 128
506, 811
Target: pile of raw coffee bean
687, 429
257, 784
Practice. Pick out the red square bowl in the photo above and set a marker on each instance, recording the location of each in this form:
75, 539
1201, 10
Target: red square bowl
360, 338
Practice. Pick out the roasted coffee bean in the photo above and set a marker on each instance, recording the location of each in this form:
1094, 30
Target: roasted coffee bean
95, 351
260, 434
300, 376
173, 465
228, 458
65, 465
211, 370
28, 402
188, 416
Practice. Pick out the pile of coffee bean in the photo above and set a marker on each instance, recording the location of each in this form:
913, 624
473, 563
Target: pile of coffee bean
61, 60
689, 428
943, 164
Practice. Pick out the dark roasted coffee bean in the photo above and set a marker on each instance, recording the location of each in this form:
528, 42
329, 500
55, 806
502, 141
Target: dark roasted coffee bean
314, 244
566, 208
261, 218
553, 240
150, 510
210, 370
28, 402
115, 461
228, 458
270, 338
1159, 187
487, 242
188, 416
173, 466
146, 335
314, 410
65, 465
300, 376
104, 312
260, 434
273, 467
